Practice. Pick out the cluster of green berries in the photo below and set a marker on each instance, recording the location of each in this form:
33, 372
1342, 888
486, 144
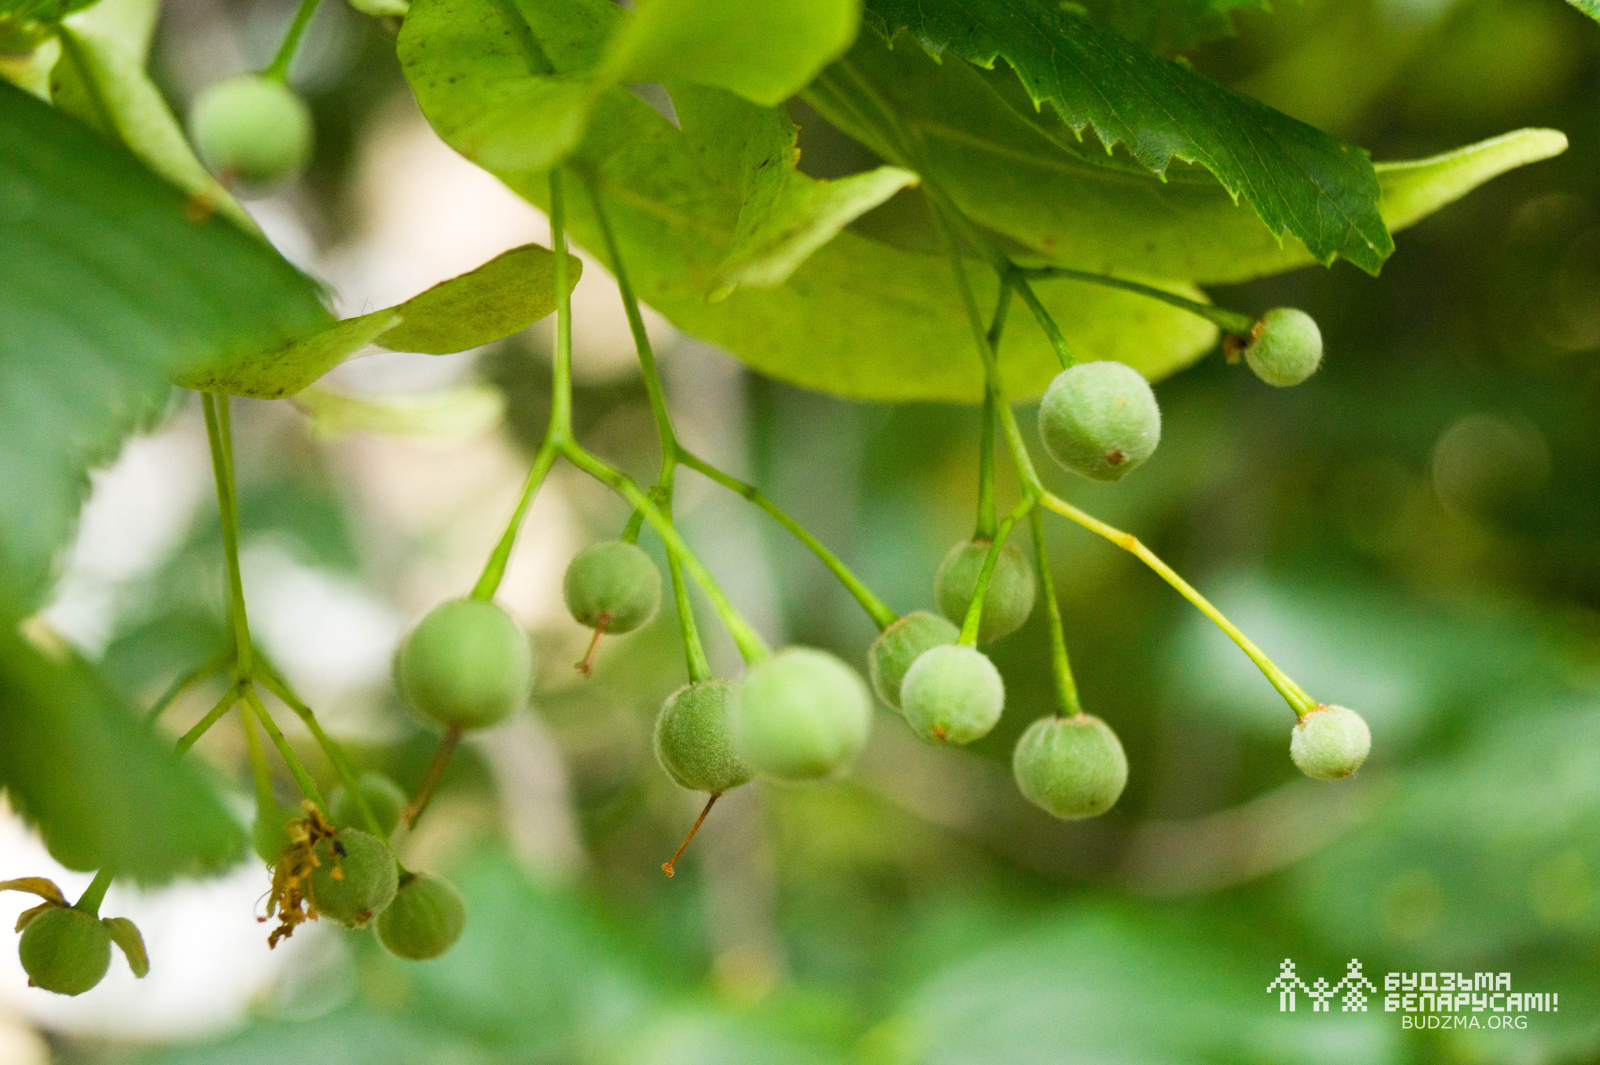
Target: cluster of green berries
1101, 420
252, 128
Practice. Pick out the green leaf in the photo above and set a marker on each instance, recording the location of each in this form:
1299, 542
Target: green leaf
1588, 7
125, 934
1170, 25
765, 52
1298, 179
100, 80
676, 196
449, 414
40, 10
104, 791
503, 296
107, 288
1090, 211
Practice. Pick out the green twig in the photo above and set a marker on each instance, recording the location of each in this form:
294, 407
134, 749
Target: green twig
210, 668
223, 705
1229, 321
1061, 669
346, 770
308, 787
974, 619
278, 70
219, 431
494, 570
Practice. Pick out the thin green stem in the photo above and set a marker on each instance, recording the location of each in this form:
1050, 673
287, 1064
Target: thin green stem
1064, 350
260, 771
986, 505
1301, 703
210, 668
561, 384
430, 780
1061, 669
876, 609
348, 775
494, 571
223, 705
219, 431
694, 652
1230, 321
749, 642
278, 70
308, 787
974, 619
93, 895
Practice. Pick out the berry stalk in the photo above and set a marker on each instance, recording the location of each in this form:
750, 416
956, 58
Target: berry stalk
223, 705
89, 902
349, 776
430, 780
278, 69
494, 570
1061, 668
1301, 703
210, 668
974, 618
219, 431
1231, 321
308, 787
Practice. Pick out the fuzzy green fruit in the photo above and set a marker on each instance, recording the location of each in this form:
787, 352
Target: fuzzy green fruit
692, 739
424, 920
614, 586
466, 665
253, 128
1009, 599
65, 950
384, 798
802, 715
1285, 347
902, 644
268, 835
1330, 743
1072, 767
355, 877
952, 694
1100, 419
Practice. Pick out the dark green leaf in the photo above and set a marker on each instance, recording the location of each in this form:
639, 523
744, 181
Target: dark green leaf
675, 197
1298, 179
40, 10
1170, 25
104, 790
108, 286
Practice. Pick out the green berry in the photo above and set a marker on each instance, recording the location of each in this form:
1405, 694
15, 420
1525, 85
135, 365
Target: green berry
802, 715
1009, 599
1072, 767
952, 694
1285, 347
1330, 743
65, 950
693, 743
424, 920
384, 799
355, 877
900, 645
1100, 419
614, 586
269, 835
466, 665
252, 127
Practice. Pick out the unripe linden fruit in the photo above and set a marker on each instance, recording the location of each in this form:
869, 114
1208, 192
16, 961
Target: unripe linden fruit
1072, 767
384, 799
1330, 743
902, 644
1285, 347
1100, 419
615, 584
268, 834
1009, 599
466, 665
693, 743
952, 694
424, 920
802, 715
253, 127
65, 950
355, 877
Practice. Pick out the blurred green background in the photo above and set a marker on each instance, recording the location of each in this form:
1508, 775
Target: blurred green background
1414, 533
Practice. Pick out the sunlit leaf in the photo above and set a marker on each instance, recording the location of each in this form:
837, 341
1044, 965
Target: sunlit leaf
449, 415
107, 287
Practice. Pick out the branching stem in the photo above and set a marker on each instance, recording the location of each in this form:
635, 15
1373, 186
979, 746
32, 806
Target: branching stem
1061, 668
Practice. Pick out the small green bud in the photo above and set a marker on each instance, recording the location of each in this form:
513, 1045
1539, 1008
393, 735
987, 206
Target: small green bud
65, 950
384, 798
613, 586
900, 645
693, 743
1330, 743
252, 127
1072, 767
1009, 599
952, 694
355, 877
1285, 347
466, 665
1100, 419
802, 715
424, 920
